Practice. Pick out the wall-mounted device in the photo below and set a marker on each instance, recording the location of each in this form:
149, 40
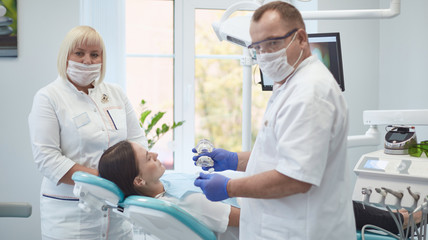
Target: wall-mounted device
398, 139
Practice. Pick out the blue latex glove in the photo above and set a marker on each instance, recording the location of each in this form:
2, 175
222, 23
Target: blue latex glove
214, 186
223, 159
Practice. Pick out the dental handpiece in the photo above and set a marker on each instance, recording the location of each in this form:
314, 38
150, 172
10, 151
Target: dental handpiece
414, 195
366, 191
396, 194
381, 192
366, 195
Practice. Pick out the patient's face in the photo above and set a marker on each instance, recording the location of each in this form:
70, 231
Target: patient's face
149, 166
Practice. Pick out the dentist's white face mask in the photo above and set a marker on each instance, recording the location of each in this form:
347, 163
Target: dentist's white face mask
275, 65
83, 74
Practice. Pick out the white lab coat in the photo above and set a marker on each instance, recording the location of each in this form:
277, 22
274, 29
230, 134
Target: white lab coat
304, 136
67, 127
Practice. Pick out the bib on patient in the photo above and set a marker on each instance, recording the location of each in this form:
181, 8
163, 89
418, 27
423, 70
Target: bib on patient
179, 185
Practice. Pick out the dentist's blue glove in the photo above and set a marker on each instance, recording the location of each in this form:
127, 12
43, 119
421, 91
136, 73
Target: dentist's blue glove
214, 186
223, 159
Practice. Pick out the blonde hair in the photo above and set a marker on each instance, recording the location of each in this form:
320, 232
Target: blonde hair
76, 37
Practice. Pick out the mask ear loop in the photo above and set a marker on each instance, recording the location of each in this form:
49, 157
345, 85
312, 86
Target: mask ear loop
301, 50
301, 53
254, 75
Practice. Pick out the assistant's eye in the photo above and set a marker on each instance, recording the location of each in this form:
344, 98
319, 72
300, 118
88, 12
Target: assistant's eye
95, 55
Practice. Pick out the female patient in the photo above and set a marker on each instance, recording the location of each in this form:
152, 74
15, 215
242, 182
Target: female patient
138, 172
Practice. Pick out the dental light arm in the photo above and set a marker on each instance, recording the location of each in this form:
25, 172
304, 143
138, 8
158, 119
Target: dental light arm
236, 29
394, 10
371, 138
373, 118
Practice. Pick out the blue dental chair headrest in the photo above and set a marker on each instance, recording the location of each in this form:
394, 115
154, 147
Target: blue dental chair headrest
98, 185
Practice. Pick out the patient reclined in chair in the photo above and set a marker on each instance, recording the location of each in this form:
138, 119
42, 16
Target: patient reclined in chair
160, 218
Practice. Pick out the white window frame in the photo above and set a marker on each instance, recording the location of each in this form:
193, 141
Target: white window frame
184, 89
184, 76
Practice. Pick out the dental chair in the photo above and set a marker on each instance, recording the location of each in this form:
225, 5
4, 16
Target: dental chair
153, 217
15, 209
372, 236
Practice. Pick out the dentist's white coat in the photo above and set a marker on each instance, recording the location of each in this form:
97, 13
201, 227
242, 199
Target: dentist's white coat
303, 136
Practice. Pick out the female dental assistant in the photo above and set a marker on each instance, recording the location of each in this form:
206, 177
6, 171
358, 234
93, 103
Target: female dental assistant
72, 121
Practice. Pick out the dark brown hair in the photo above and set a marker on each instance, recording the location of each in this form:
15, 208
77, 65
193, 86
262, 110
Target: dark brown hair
289, 14
118, 165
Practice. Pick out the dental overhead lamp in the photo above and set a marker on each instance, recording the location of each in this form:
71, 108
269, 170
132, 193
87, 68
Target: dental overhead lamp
236, 31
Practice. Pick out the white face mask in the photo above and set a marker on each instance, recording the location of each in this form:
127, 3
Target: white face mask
83, 74
275, 65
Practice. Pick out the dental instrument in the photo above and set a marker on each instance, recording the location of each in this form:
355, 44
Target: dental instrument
204, 146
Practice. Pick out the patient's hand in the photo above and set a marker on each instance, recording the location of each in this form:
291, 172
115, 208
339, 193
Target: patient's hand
417, 217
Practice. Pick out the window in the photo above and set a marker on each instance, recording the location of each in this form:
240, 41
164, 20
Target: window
174, 61
150, 64
218, 86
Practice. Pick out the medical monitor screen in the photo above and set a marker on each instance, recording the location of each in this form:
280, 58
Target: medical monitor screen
326, 46
375, 164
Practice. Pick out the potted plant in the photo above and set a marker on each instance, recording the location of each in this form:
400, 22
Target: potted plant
150, 125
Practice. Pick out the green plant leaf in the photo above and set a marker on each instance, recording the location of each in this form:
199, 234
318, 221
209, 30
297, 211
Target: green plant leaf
151, 143
165, 128
174, 125
152, 139
144, 116
155, 120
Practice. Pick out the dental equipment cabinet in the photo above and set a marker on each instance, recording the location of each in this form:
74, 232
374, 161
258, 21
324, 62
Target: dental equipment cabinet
390, 178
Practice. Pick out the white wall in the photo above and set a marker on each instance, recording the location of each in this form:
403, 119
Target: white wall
42, 25
404, 61
360, 54
384, 62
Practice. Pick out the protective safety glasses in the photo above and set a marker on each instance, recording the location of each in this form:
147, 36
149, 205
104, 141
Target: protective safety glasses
269, 45
417, 149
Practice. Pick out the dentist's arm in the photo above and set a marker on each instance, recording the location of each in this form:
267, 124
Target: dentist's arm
270, 184
243, 158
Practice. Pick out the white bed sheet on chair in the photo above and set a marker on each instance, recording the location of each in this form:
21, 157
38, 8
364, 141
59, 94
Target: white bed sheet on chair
232, 233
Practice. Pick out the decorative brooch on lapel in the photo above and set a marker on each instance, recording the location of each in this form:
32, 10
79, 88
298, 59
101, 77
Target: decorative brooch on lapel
104, 98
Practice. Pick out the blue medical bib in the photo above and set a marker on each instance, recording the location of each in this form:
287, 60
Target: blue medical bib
179, 185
